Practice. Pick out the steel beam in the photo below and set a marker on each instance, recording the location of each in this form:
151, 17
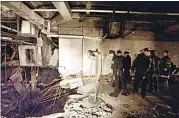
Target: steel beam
122, 12
111, 11
23, 11
65, 13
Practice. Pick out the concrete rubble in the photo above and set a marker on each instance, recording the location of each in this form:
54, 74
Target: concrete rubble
82, 105
18, 99
79, 107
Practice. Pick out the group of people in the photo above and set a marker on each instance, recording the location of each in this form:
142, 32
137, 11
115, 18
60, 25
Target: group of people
146, 66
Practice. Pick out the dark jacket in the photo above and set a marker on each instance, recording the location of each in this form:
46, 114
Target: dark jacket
141, 63
165, 62
118, 62
155, 61
165, 66
127, 62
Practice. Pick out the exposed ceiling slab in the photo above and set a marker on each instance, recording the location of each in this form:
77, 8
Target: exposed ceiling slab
23, 11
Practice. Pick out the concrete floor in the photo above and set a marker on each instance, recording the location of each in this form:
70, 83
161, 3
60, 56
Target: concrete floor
158, 104
162, 104
125, 106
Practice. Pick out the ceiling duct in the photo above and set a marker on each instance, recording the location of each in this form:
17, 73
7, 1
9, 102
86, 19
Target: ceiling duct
28, 29
114, 29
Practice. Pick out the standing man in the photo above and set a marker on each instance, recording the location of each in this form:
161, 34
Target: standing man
154, 72
141, 67
165, 65
112, 53
117, 66
127, 66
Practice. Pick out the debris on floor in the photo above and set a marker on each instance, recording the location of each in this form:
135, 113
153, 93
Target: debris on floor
19, 99
85, 108
51, 100
163, 110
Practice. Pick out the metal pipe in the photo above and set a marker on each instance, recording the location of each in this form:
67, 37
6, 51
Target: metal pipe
82, 51
111, 11
122, 12
14, 30
8, 28
44, 9
92, 53
15, 41
7, 21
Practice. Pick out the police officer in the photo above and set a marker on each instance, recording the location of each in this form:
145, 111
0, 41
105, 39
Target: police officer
117, 66
127, 66
153, 72
141, 67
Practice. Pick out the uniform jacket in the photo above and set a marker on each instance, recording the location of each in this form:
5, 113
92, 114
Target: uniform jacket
155, 61
127, 62
117, 62
141, 63
165, 62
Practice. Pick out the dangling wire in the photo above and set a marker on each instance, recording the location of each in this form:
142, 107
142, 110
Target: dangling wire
82, 52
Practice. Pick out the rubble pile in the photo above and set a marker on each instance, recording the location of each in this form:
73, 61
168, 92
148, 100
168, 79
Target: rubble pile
19, 99
83, 108
46, 75
163, 110
14, 103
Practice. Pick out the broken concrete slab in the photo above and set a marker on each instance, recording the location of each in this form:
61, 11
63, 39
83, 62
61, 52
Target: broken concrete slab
85, 109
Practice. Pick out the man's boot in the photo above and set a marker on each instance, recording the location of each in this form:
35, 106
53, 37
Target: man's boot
114, 94
124, 93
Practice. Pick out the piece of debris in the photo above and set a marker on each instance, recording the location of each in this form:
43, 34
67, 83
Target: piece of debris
85, 109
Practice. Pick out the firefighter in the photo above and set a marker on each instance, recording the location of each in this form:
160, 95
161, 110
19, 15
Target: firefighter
117, 66
153, 72
165, 66
165, 63
141, 67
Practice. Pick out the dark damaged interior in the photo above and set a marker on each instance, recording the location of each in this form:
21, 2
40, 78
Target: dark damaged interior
55, 57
